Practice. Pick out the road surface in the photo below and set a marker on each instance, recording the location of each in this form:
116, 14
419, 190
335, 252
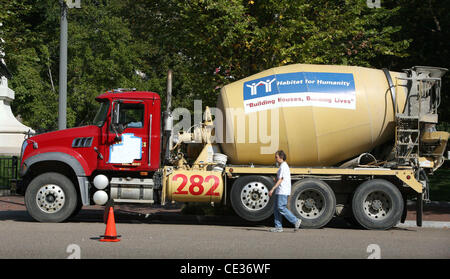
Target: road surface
149, 238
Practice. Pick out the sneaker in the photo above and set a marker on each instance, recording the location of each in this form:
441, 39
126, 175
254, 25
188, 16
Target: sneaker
276, 230
297, 225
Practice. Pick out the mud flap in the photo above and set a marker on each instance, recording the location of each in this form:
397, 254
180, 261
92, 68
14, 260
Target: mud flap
405, 210
419, 209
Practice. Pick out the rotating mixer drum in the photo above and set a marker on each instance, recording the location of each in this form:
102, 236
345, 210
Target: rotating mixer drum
319, 115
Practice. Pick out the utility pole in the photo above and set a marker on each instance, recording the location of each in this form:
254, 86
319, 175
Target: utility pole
62, 106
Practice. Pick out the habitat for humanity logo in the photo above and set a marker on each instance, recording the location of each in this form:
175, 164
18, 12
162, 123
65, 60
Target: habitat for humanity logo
335, 90
267, 84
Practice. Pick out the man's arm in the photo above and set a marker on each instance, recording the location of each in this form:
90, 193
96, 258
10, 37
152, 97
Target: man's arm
276, 185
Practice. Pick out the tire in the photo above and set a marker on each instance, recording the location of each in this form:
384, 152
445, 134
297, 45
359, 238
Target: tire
250, 198
77, 209
350, 217
312, 201
51, 198
377, 205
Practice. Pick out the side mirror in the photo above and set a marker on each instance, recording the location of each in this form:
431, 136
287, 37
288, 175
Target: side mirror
115, 121
121, 128
115, 116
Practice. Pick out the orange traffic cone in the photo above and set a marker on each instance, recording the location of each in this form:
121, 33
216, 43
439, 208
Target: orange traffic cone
110, 233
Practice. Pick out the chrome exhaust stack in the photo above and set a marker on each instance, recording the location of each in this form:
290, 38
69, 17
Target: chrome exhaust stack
168, 121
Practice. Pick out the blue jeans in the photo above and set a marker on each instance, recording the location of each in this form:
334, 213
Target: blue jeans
281, 210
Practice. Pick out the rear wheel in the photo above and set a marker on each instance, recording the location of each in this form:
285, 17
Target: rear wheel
377, 204
250, 197
313, 201
51, 197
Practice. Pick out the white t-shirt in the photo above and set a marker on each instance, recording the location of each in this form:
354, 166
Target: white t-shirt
285, 186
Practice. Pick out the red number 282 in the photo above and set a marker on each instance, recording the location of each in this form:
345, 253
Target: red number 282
196, 187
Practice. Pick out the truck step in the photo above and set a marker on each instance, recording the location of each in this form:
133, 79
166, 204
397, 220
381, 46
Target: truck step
133, 201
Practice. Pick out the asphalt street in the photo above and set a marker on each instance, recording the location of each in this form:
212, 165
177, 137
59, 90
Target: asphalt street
173, 238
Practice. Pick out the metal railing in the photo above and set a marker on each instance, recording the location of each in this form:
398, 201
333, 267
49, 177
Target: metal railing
9, 171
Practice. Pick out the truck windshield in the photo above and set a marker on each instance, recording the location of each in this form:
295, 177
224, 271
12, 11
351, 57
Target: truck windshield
102, 112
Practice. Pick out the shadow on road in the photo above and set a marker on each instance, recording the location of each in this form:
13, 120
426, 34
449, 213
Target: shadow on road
13, 209
15, 215
129, 217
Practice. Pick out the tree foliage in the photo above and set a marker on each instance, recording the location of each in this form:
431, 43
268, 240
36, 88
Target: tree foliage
207, 43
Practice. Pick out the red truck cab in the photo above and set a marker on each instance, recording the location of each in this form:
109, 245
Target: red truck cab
125, 138
139, 113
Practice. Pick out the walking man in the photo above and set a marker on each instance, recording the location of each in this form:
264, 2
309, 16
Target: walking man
282, 190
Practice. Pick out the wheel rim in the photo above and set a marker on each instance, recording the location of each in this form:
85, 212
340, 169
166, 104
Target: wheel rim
310, 204
50, 198
255, 196
377, 205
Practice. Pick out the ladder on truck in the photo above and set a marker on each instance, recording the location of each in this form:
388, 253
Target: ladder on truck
407, 135
420, 113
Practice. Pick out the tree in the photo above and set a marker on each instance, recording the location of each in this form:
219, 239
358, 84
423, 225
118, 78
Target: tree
208, 43
427, 25
102, 55
221, 41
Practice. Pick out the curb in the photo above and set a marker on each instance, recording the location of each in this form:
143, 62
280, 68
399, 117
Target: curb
425, 224
235, 221
5, 192
432, 203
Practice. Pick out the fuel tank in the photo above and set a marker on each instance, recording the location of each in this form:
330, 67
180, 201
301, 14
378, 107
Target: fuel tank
319, 115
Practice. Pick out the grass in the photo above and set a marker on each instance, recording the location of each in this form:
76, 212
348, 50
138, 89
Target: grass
440, 185
5, 172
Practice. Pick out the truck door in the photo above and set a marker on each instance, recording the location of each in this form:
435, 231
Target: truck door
128, 141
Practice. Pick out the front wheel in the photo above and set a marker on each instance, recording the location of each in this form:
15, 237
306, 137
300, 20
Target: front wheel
51, 198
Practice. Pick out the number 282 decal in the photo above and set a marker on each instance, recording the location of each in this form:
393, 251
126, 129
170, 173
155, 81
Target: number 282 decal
196, 185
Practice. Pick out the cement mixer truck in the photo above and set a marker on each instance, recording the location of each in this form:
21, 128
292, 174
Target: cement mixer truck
359, 143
